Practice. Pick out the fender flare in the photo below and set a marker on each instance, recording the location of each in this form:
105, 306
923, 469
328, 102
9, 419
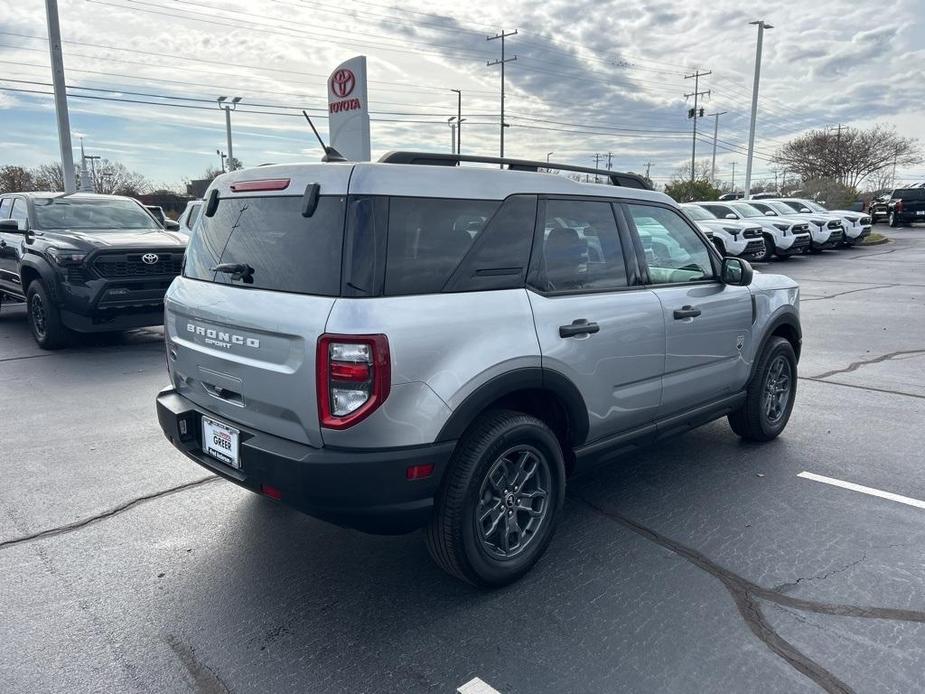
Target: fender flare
530, 378
785, 315
33, 261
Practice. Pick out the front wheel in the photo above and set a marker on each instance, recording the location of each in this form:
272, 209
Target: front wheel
45, 318
769, 247
500, 499
770, 394
892, 220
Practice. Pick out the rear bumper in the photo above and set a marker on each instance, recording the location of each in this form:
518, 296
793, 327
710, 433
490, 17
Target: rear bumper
363, 489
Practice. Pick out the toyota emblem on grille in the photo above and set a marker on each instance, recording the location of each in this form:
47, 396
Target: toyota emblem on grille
149, 258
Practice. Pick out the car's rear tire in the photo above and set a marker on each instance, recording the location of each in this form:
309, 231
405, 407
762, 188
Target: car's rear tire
45, 318
505, 481
892, 220
770, 393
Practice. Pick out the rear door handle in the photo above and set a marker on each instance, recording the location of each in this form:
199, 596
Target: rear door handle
686, 312
579, 326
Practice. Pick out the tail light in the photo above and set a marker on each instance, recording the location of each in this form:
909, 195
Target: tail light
353, 378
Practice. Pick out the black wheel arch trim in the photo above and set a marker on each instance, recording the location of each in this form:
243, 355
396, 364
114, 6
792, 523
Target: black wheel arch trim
786, 315
45, 271
527, 378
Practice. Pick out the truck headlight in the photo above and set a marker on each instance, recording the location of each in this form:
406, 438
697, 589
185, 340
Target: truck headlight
66, 258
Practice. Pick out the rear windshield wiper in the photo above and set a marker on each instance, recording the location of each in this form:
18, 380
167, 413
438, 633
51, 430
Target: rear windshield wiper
238, 271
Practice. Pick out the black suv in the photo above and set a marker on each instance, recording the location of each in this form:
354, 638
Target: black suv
902, 206
85, 263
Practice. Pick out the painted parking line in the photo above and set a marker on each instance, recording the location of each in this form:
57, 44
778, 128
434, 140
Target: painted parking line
477, 686
864, 490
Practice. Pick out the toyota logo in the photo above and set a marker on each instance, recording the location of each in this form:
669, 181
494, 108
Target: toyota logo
342, 82
149, 258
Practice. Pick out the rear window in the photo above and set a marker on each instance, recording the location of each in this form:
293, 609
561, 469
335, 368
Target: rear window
910, 194
287, 252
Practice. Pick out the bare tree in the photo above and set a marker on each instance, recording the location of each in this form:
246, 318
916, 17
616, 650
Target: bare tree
847, 155
49, 177
115, 178
16, 179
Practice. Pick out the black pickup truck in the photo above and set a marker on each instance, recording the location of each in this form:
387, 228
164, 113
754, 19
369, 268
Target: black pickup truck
85, 263
902, 206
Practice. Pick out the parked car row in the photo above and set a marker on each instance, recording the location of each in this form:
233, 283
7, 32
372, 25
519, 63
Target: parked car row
760, 229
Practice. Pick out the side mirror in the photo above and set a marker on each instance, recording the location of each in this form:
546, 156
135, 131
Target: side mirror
805, 210
171, 225
736, 272
10, 226
731, 216
769, 214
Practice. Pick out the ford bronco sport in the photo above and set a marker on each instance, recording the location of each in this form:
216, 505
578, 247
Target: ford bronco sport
415, 343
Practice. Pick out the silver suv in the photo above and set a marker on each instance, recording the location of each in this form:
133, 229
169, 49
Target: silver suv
413, 343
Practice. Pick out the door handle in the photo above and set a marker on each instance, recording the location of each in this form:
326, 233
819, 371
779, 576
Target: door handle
686, 312
579, 326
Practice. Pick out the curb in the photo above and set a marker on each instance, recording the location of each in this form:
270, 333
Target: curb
885, 239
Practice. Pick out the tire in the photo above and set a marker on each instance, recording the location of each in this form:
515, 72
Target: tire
756, 420
769, 247
720, 246
504, 445
45, 318
892, 221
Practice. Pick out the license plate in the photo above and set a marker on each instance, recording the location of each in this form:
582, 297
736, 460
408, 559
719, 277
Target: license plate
221, 442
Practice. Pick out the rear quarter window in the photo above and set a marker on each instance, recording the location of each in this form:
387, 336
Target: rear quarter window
288, 252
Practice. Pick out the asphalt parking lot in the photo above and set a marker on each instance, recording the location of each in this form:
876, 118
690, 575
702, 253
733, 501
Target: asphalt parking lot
704, 564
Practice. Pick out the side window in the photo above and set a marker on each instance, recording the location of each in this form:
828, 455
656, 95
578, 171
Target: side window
720, 210
581, 248
193, 216
5, 206
500, 255
19, 212
674, 251
427, 239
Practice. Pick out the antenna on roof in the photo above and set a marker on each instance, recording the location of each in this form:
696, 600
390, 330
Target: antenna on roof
330, 154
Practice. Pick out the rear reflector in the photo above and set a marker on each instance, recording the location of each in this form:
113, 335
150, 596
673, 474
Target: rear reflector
419, 472
265, 184
271, 492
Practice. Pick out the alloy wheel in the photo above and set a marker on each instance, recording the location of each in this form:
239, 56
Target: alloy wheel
38, 315
513, 501
777, 389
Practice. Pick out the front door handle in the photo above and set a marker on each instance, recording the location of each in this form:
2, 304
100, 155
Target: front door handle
686, 312
580, 326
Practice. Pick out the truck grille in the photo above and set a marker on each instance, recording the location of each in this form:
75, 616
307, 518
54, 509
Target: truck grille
865, 221
121, 265
834, 224
799, 229
800, 242
754, 233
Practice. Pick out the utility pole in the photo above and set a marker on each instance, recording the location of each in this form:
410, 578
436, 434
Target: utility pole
693, 113
57, 78
229, 106
838, 157
597, 165
459, 120
715, 117
648, 166
733, 177
451, 121
503, 35
221, 156
93, 158
762, 25
609, 161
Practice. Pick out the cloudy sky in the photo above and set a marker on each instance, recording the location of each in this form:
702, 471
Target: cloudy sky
590, 77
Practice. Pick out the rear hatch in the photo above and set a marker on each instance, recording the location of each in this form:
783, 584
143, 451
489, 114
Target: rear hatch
242, 345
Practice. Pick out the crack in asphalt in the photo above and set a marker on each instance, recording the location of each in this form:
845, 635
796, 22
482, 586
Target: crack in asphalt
849, 291
745, 593
871, 255
77, 525
205, 679
867, 388
783, 587
854, 366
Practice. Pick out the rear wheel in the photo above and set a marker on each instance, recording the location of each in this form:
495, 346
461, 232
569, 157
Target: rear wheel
500, 500
45, 319
770, 394
892, 220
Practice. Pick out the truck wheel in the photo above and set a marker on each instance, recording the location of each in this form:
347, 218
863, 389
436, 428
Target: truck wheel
768, 250
44, 318
500, 499
770, 394
892, 221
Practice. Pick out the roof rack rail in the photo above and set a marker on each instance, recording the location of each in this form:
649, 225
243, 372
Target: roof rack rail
617, 178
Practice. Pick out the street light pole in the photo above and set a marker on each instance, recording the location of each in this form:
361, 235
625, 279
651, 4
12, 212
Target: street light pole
57, 78
548, 154
762, 25
229, 106
459, 120
451, 121
221, 156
